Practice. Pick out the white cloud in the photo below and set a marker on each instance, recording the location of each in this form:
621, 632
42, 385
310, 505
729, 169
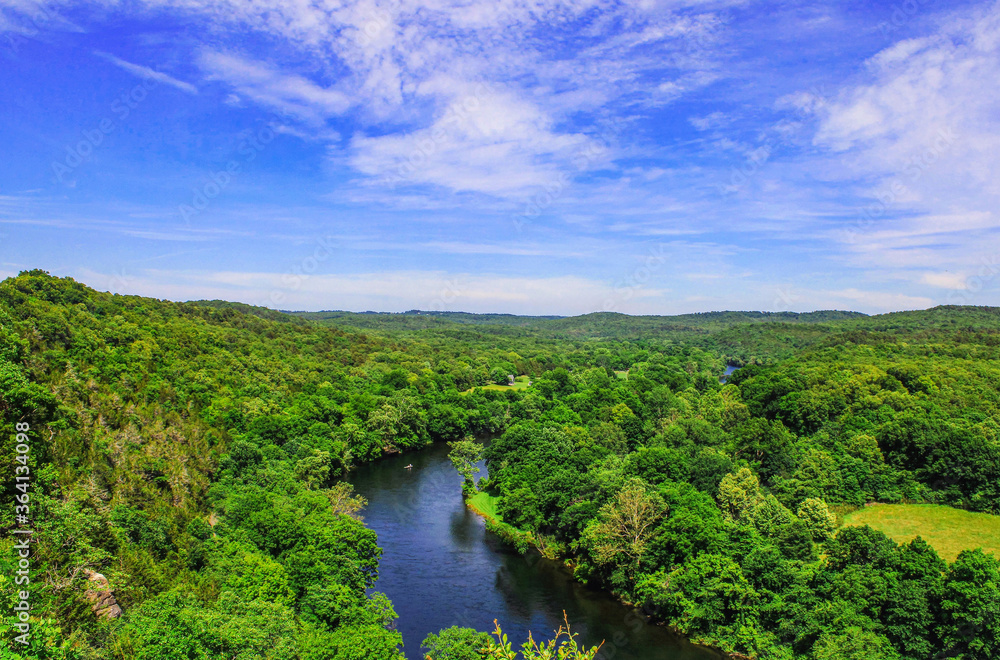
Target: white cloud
406, 63
286, 93
485, 140
457, 247
926, 106
945, 280
484, 292
148, 73
850, 298
917, 135
711, 120
879, 300
397, 66
386, 291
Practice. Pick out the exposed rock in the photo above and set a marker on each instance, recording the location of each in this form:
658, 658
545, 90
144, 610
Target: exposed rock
101, 596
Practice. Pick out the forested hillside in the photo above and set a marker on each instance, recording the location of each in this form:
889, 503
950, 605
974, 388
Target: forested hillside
715, 509
738, 337
191, 454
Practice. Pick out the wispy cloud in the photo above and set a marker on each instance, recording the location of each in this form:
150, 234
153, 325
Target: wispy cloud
485, 140
921, 105
452, 77
386, 291
145, 72
607, 126
286, 93
455, 247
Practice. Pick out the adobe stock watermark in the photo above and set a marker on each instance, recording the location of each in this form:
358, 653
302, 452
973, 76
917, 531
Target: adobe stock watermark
122, 107
913, 170
21, 614
447, 295
375, 24
39, 18
552, 192
457, 114
974, 284
784, 298
740, 175
300, 273
251, 144
901, 14
120, 281
627, 288
755, 160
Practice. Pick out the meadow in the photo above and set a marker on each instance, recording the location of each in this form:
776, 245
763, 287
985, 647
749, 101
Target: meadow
946, 529
520, 383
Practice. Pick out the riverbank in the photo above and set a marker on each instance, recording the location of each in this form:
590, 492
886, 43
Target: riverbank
485, 505
441, 568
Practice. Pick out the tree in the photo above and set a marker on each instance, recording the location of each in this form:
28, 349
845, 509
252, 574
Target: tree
740, 495
258, 577
344, 502
820, 522
369, 642
854, 643
862, 546
562, 647
314, 470
909, 619
175, 625
620, 534
971, 604
693, 526
703, 595
464, 455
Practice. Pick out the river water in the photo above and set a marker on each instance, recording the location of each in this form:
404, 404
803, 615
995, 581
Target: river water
441, 568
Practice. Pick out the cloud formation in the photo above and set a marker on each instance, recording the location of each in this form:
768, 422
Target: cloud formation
549, 137
145, 72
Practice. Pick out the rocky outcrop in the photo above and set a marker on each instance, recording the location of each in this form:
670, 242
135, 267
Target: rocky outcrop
101, 597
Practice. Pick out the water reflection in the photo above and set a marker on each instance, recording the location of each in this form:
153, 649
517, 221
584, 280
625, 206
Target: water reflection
441, 568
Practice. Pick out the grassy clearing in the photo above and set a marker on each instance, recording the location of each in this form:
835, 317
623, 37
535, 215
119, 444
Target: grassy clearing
621, 375
520, 383
485, 505
948, 530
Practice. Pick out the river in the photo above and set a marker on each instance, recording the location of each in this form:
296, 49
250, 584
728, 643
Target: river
441, 568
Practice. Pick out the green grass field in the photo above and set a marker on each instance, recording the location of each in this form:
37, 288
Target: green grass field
520, 383
948, 530
485, 505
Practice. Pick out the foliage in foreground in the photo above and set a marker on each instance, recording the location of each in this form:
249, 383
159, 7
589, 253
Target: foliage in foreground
468, 644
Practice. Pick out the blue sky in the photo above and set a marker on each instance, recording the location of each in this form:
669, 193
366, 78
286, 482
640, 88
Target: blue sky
524, 156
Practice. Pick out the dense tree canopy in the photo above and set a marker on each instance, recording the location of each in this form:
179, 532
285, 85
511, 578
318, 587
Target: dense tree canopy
193, 453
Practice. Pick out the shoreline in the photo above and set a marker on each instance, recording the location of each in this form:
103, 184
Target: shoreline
494, 525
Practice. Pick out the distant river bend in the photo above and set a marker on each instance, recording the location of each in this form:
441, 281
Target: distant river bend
441, 568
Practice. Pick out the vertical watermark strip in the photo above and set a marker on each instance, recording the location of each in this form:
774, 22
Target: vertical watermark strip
22, 514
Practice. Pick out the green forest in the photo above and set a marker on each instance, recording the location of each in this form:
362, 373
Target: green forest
189, 457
